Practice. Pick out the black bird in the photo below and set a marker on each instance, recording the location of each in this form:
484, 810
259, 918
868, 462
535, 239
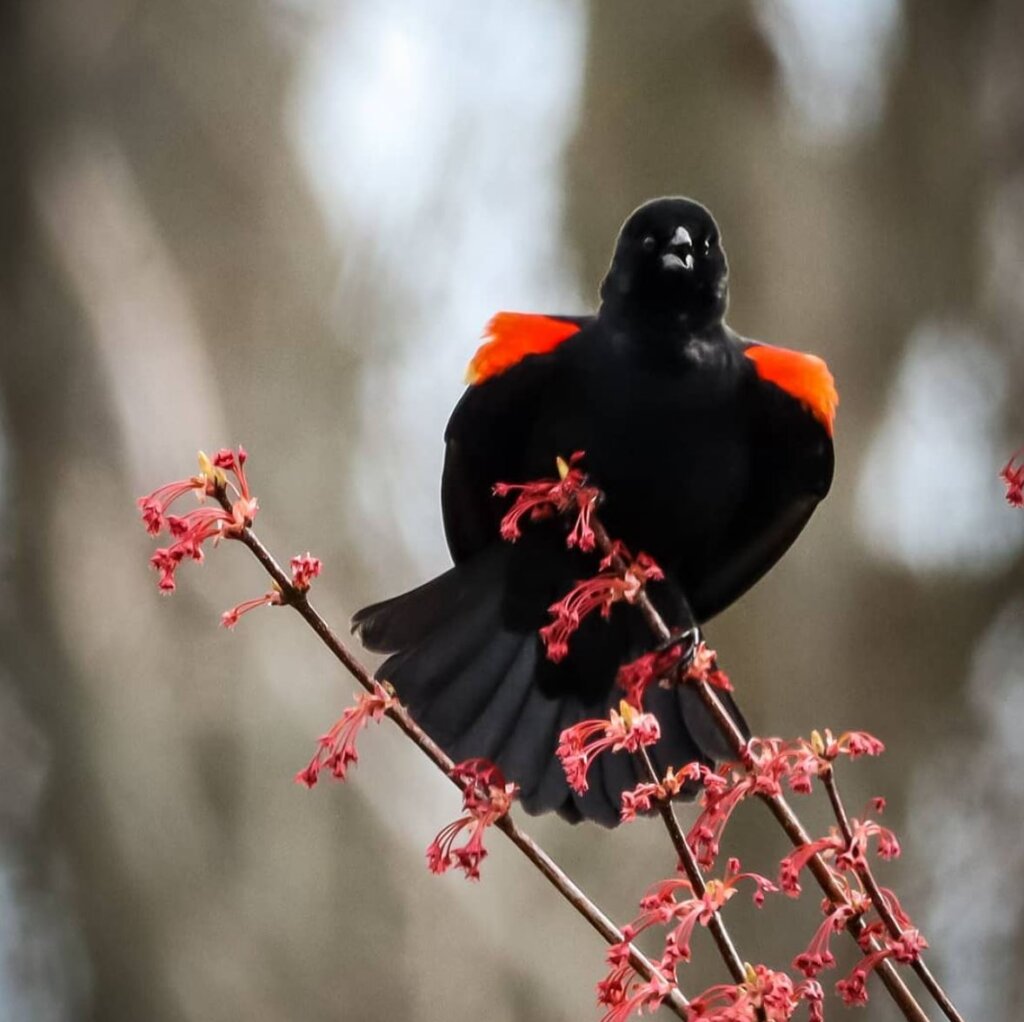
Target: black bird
712, 451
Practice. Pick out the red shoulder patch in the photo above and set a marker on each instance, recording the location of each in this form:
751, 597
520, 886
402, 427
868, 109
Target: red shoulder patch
804, 377
510, 336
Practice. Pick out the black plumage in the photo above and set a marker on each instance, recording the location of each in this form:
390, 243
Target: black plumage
712, 453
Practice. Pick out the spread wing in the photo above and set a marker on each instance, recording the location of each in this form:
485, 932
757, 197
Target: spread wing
511, 375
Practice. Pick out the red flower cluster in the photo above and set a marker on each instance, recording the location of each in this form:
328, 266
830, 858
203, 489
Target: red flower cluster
546, 498
637, 676
768, 763
191, 530
904, 949
486, 798
674, 904
1013, 476
818, 954
850, 858
336, 750
304, 569
578, 746
644, 797
704, 667
601, 593
766, 994
660, 907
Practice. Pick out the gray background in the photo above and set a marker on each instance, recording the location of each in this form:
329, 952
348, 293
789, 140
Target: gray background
284, 224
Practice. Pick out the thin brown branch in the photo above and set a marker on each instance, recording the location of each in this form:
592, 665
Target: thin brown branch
556, 876
716, 926
780, 808
881, 904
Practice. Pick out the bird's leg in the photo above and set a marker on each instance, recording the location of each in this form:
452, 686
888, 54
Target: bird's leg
672, 604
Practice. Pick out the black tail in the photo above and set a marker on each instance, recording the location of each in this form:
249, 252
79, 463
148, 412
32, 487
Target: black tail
482, 688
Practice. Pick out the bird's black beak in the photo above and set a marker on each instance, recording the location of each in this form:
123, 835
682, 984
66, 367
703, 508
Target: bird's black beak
678, 257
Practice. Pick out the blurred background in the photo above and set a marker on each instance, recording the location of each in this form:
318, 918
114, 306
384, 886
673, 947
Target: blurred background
284, 223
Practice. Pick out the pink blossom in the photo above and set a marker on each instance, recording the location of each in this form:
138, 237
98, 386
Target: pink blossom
192, 529
336, 750
305, 568
802, 761
645, 795
818, 955
704, 667
625, 994
635, 677
854, 857
231, 617
154, 505
1013, 476
579, 745
487, 797
758, 774
905, 949
599, 593
546, 498
793, 864
765, 994
662, 907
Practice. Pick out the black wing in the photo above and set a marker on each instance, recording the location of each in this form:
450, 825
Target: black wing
486, 441
792, 461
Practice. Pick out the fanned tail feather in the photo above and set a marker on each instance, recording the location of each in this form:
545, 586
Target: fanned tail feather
474, 684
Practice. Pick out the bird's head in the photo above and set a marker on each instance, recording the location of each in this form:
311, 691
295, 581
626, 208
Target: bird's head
669, 266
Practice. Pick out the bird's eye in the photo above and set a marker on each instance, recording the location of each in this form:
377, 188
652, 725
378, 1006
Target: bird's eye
709, 242
649, 243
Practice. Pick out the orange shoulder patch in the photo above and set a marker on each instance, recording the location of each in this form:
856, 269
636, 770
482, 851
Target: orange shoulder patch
510, 336
804, 377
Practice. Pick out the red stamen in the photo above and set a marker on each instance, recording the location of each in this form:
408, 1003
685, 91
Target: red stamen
336, 750
487, 797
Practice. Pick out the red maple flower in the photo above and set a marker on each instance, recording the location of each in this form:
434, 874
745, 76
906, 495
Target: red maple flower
486, 798
154, 505
905, 949
765, 994
818, 955
704, 667
660, 907
622, 990
231, 617
647, 794
601, 593
802, 761
579, 745
635, 677
624, 993
793, 864
759, 773
191, 530
545, 498
1013, 476
854, 857
336, 750
305, 568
